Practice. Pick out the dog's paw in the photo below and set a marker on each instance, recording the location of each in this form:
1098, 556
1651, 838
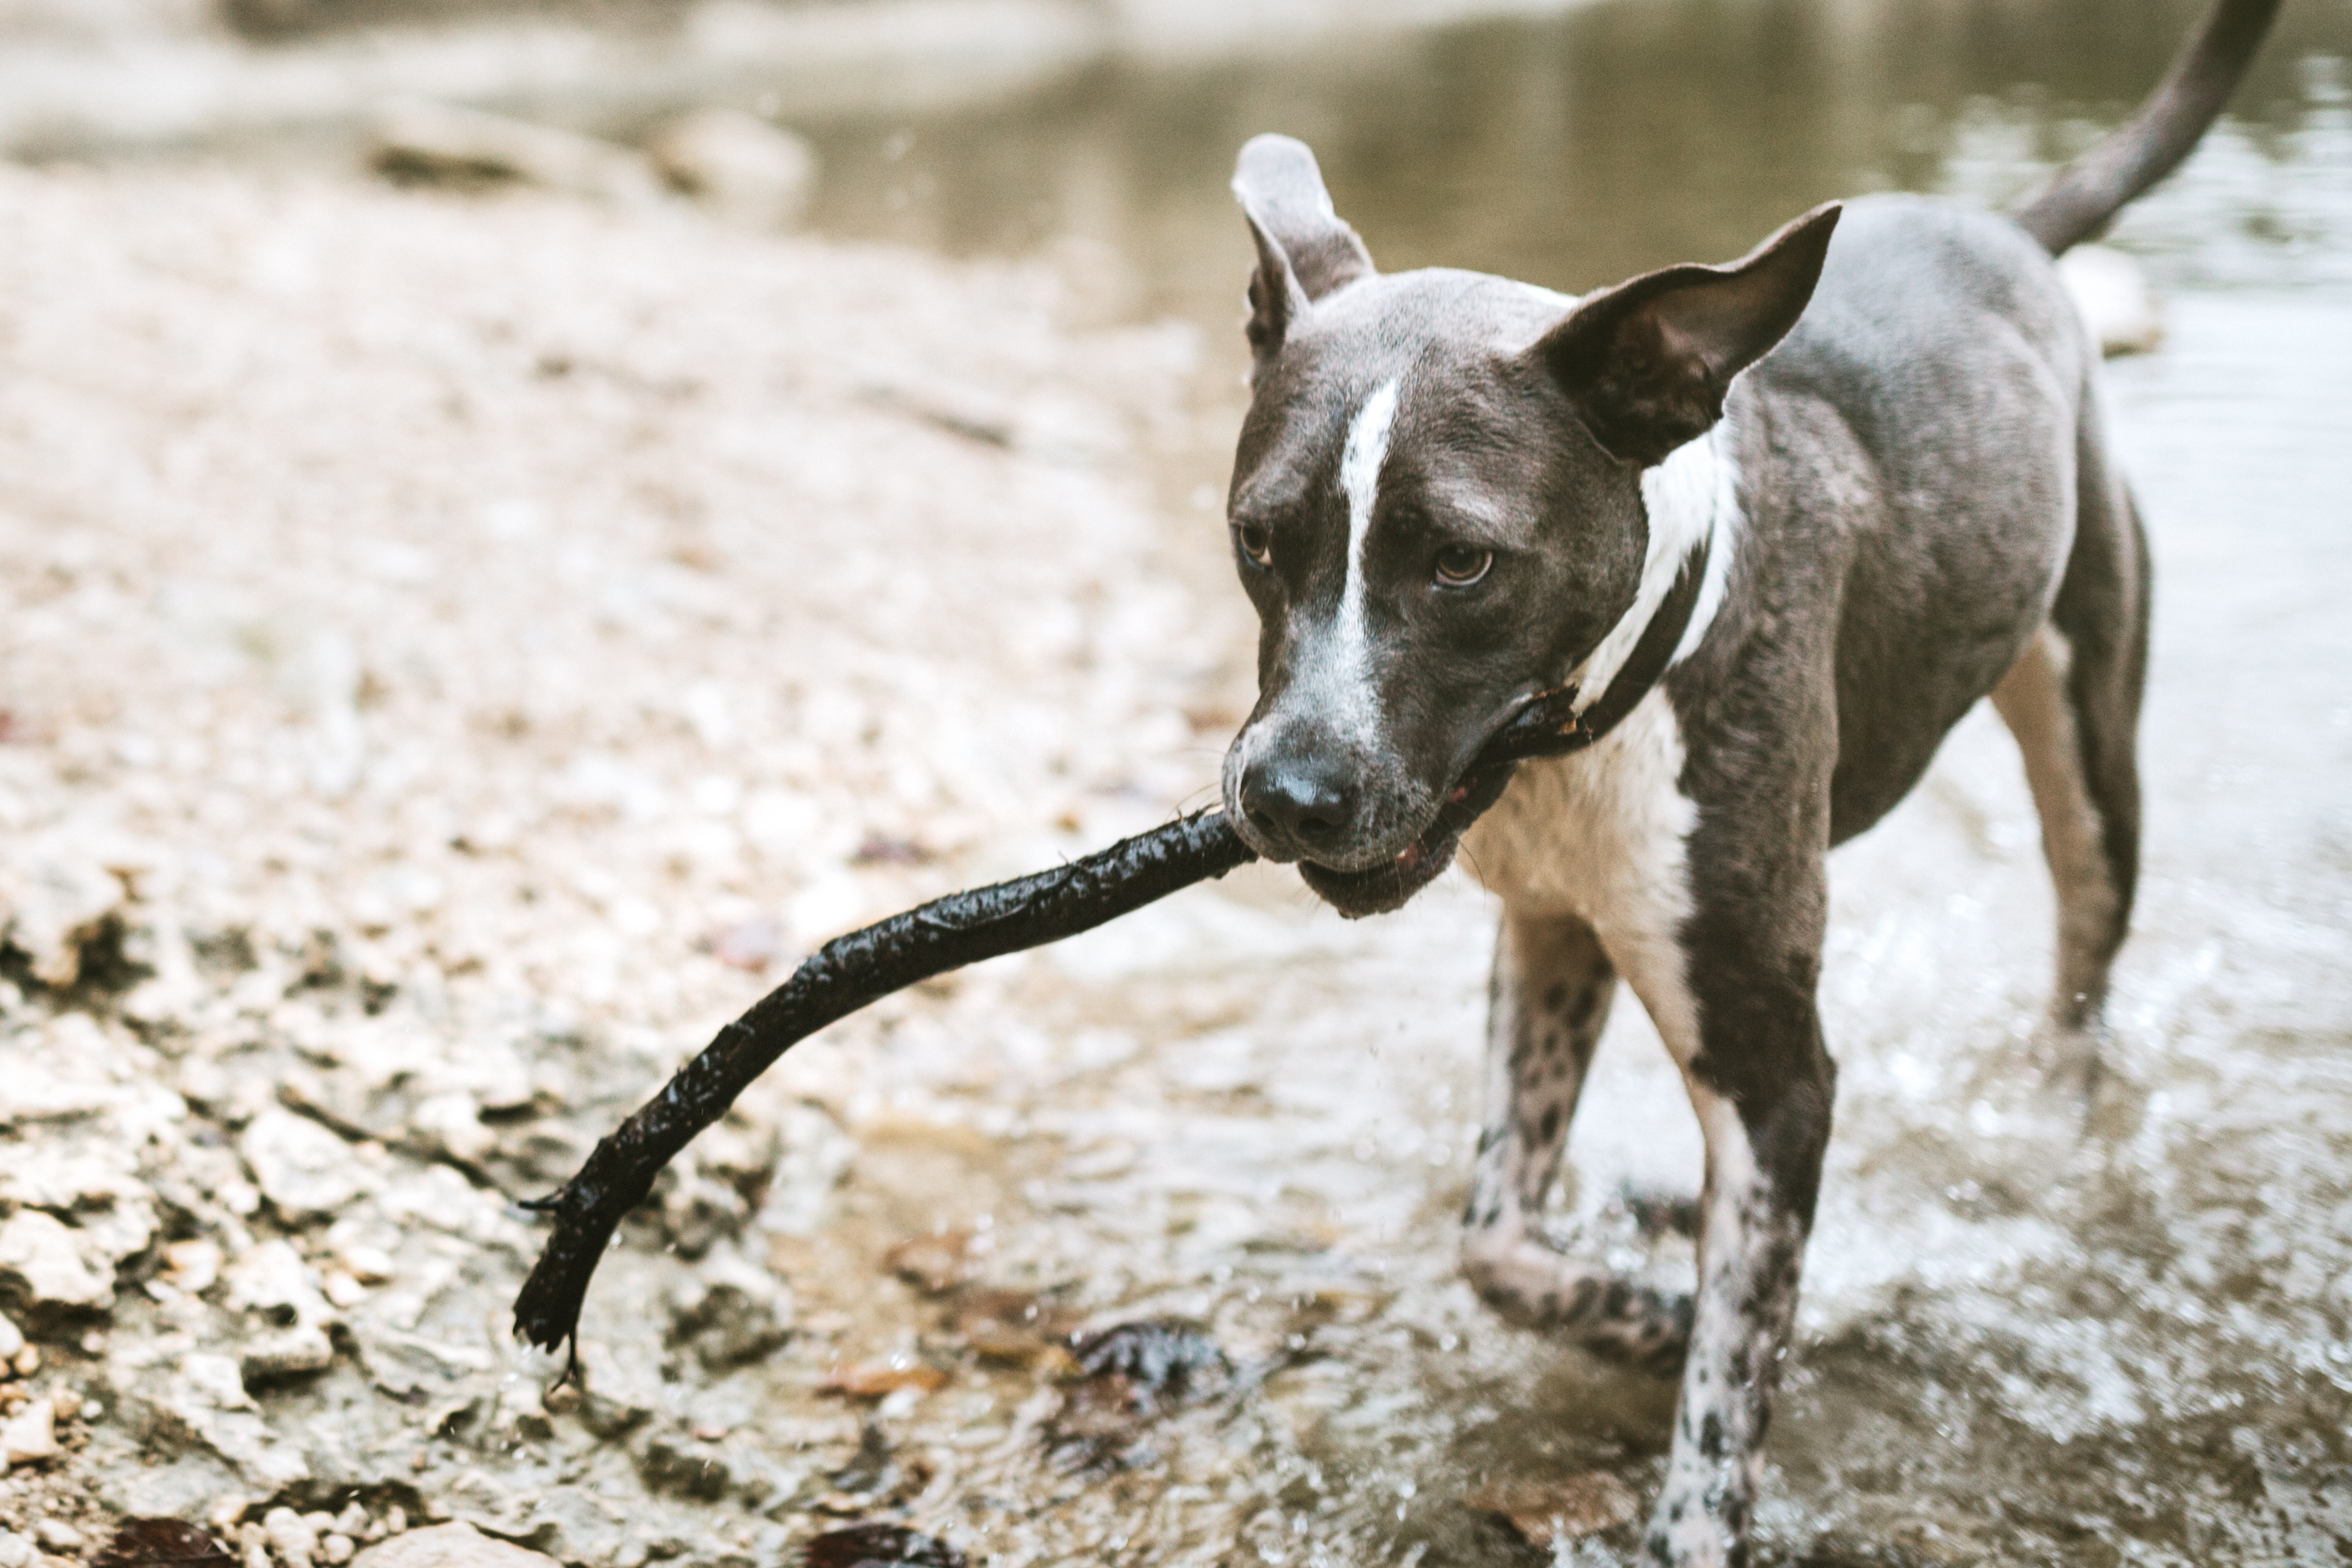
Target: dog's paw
1618, 1320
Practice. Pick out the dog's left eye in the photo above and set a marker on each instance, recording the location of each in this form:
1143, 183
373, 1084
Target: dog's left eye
1256, 542
1459, 566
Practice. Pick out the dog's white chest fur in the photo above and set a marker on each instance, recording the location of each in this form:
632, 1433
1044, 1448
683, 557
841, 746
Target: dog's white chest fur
1601, 834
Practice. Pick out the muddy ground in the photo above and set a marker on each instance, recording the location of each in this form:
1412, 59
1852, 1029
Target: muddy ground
457, 652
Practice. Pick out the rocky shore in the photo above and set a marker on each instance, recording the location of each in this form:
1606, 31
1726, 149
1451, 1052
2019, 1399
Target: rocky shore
454, 654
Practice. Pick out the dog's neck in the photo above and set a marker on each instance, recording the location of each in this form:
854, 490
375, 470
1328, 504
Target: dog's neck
1690, 499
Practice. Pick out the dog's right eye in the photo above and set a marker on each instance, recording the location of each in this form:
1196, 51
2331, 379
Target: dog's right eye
1256, 543
1460, 566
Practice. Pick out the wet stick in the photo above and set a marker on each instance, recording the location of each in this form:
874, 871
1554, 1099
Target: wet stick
843, 976
866, 965
947, 933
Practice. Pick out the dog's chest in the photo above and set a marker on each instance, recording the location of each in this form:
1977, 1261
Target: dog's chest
1599, 834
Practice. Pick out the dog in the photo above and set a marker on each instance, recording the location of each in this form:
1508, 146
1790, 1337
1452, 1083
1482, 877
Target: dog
1781, 524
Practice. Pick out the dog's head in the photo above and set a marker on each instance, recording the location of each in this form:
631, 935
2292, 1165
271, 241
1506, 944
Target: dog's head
1437, 509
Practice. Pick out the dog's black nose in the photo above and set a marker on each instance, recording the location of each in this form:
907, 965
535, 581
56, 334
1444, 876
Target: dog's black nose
1300, 804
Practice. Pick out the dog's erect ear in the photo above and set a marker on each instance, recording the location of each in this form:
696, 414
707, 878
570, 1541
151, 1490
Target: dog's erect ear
1648, 363
1304, 249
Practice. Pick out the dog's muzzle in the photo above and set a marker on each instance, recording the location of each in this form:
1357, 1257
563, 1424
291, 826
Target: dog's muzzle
1383, 887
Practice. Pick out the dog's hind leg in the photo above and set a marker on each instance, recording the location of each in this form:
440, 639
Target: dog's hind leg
2072, 701
1553, 989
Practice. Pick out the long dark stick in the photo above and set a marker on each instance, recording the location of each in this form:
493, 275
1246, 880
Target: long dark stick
843, 976
947, 933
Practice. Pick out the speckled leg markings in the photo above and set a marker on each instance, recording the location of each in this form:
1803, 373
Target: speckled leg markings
1551, 994
2033, 700
1751, 1243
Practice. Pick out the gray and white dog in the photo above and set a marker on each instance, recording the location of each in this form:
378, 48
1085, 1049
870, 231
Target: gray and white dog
1781, 524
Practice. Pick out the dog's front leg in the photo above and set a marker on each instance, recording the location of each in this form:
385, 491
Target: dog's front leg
1762, 1087
1552, 988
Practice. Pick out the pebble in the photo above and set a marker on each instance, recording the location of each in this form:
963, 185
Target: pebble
60, 900
286, 1354
305, 1171
12, 1339
17, 1550
192, 1265
57, 1535
746, 169
293, 1538
1553, 1514
458, 1545
421, 141
31, 1435
43, 1261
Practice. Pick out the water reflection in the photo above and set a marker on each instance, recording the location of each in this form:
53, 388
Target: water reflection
1578, 148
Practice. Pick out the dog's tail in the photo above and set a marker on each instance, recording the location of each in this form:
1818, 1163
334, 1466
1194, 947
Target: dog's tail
2088, 192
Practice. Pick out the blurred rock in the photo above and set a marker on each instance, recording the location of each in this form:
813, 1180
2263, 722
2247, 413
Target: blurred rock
750, 946
2118, 302
1131, 1374
55, 900
192, 1267
108, 21
47, 1272
1159, 1358
457, 1545
744, 169
286, 1354
200, 1404
685, 1466
877, 1379
424, 141
291, 1538
933, 1264
12, 1339
306, 1172
1016, 1327
1553, 1513
814, 1156
706, 1194
30, 1436
729, 1312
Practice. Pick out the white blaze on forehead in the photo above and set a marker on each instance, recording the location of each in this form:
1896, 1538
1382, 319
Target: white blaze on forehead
1360, 481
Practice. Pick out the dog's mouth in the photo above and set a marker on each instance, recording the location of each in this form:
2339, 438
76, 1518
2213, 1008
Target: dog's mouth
1377, 889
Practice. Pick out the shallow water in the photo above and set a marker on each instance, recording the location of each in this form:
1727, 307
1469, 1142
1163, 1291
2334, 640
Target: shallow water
2035, 1330
1575, 150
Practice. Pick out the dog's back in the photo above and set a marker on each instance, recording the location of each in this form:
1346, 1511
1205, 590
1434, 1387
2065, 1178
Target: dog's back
1944, 381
